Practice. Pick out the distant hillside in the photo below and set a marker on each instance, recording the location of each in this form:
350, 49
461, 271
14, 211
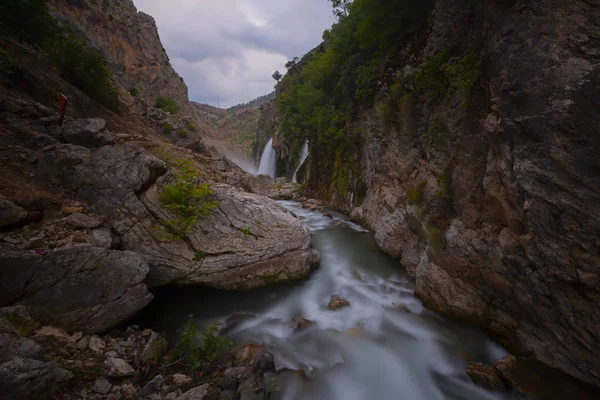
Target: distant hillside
256, 103
238, 123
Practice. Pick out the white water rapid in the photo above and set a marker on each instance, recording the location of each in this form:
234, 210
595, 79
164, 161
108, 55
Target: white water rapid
303, 157
384, 346
268, 161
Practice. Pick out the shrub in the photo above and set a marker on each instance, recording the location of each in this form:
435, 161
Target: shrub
212, 346
190, 126
29, 20
85, 67
134, 91
182, 132
385, 110
246, 231
167, 104
464, 74
187, 199
167, 127
431, 79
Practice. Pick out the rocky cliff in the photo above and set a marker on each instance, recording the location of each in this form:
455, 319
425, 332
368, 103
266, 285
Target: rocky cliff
477, 166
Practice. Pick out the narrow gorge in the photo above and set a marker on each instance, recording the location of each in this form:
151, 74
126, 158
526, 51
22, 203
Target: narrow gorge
411, 214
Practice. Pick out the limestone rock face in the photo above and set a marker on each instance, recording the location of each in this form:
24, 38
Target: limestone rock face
76, 287
248, 241
497, 219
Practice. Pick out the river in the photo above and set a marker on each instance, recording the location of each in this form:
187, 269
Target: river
386, 345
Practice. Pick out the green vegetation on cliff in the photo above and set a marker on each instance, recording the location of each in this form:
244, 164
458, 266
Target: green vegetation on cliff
77, 62
320, 103
187, 199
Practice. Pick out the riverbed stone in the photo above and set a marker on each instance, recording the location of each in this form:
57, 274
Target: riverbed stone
486, 376
337, 302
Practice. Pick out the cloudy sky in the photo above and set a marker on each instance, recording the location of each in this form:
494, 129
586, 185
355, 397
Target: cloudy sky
230, 48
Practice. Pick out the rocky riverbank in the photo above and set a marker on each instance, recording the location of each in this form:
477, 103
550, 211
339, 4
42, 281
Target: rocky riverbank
47, 362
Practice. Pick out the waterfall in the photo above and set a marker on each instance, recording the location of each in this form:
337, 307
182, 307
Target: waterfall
303, 157
268, 160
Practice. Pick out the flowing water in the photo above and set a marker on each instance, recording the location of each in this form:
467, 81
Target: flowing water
386, 345
302, 159
268, 161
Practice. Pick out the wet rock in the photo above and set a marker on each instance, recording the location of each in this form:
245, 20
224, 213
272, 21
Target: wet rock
232, 376
75, 287
79, 220
10, 213
151, 387
197, 393
117, 367
102, 385
302, 323
88, 133
486, 376
28, 379
337, 302
96, 344
235, 320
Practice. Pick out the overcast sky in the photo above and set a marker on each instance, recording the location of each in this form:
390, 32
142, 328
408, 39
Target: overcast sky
230, 48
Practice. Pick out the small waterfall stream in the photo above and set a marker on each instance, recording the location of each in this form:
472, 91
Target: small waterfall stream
303, 157
268, 161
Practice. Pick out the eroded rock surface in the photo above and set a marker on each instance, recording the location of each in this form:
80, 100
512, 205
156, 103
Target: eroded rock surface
248, 241
76, 287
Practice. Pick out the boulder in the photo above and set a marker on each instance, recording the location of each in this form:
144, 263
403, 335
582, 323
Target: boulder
79, 220
247, 242
337, 302
117, 367
10, 213
96, 344
102, 238
28, 379
12, 345
88, 133
76, 287
179, 380
50, 337
154, 349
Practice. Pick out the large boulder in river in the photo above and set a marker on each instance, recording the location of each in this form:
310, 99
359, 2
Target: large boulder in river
76, 287
247, 241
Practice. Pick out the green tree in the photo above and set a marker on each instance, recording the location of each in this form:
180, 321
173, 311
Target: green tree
167, 104
277, 76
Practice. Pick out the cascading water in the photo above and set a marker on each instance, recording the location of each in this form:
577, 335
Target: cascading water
303, 157
268, 161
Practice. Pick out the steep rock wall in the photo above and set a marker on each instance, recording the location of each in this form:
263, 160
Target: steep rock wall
488, 197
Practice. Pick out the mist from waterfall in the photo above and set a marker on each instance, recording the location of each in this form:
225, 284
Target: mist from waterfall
303, 157
268, 161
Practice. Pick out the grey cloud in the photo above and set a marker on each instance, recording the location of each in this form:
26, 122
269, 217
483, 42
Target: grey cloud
229, 48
